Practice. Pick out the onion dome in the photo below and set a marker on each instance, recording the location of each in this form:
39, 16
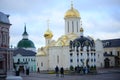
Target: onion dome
81, 29
25, 42
48, 34
72, 13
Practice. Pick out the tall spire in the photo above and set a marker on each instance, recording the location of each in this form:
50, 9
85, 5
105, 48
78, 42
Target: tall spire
25, 28
25, 34
71, 4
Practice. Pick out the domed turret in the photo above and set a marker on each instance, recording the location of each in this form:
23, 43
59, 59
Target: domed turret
48, 34
81, 29
25, 42
72, 13
72, 21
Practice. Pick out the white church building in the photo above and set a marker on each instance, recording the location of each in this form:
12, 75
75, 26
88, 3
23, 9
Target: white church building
72, 48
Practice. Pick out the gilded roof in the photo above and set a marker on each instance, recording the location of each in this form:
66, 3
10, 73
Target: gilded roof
48, 34
41, 52
72, 13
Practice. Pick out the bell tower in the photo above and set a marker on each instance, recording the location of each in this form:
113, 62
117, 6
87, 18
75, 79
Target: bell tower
72, 21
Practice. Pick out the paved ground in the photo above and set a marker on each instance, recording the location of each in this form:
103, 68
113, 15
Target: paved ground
75, 77
103, 74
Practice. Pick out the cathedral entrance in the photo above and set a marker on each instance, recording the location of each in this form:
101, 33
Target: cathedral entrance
21, 69
106, 63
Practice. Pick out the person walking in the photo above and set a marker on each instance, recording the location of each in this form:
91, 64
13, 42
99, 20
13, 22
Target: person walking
62, 71
57, 71
38, 70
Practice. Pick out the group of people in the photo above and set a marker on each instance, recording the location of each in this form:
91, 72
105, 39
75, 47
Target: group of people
61, 71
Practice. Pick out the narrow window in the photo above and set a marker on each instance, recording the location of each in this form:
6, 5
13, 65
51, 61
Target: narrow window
77, 60
71, 60
71, 54
68, 26
81, 54
118, 53
72, 26
77, 26
57, 59
41, 64
111, 53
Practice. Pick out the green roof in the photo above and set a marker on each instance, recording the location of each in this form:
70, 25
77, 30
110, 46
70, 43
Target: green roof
25, 43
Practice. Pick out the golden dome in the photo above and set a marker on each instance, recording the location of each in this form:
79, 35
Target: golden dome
48, 34
72, 13
81, 29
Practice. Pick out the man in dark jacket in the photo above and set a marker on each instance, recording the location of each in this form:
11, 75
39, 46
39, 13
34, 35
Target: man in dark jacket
62, 71
57, 71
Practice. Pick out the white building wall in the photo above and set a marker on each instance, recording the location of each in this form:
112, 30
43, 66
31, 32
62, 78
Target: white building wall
59, 56
30, 59
74, 25
114, 53
42, 63
99, 53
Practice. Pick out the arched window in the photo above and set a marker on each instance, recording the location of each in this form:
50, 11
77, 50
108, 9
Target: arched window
71, 60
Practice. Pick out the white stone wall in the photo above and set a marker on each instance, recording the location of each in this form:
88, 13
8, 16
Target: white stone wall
42, 63
72, 25
99, 53
59, 56
30, 59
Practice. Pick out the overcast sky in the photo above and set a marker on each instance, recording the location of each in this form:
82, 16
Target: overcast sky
100, 18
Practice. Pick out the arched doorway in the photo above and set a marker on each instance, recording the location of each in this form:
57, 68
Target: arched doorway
106, 63
21, 69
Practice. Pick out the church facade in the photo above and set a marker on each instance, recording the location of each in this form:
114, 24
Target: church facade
72, 48
75, 49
